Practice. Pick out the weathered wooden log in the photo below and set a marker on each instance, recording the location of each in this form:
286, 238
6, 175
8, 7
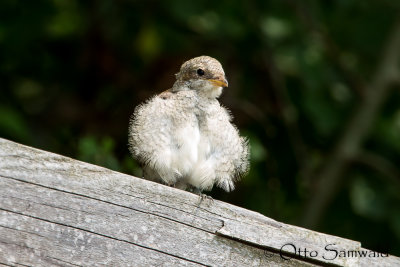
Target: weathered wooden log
56, 210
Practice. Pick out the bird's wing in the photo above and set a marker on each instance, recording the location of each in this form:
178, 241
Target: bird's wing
167, 94
150, 136
232, 158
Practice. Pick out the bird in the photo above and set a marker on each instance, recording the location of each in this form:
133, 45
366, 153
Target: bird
184, 138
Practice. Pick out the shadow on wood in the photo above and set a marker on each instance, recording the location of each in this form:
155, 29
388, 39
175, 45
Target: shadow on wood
56, 210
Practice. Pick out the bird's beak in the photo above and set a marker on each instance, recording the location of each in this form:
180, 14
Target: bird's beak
219, 81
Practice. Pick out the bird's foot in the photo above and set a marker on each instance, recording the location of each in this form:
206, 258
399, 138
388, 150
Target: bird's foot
202, 196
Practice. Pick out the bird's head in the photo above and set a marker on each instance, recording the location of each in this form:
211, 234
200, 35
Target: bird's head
203, 74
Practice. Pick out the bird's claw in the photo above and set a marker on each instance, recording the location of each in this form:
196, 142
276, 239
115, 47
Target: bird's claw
204, 196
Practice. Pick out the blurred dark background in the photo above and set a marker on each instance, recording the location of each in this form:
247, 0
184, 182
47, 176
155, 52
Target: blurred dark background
313, 84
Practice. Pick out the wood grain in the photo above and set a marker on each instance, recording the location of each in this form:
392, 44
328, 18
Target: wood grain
57, 211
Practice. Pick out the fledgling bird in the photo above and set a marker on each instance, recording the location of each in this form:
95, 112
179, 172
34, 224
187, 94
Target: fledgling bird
184, 138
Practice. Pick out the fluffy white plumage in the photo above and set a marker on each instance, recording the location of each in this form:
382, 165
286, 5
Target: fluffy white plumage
183, 137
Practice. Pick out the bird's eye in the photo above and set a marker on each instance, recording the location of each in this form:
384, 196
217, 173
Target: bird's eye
200, 72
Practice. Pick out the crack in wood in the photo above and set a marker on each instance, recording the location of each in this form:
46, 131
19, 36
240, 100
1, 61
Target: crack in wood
103, 235
118, 205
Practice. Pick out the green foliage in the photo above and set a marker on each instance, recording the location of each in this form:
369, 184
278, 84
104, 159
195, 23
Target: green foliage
100, 152
71, 73
12, 124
